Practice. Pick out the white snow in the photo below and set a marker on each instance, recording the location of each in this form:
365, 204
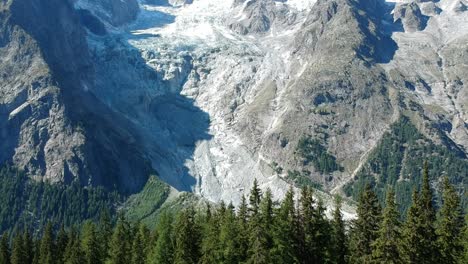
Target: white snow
301, 5
442, 31
228, 71
222, 165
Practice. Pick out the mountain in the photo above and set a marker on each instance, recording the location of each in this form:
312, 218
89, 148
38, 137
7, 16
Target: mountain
53, 128
211, 94
333, 75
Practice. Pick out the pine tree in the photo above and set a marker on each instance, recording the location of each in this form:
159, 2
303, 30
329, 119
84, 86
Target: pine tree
4, 249
419, 243
386, 246
140, 244
28, 245
228, 237
47, 246
322, 234
119, 247
419, 237
187, 244
450, 225
105, 233
90, 244
163, 250
366, 227
464, 257
210, 246
260, 220
339, 238
412, 233
315, 228
243, 232
72, 235
37, 246
255, 198
74, 253
18, 252
306, 214
62, 241
285, 244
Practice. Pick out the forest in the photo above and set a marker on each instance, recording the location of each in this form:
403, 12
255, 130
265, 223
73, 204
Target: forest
261, 230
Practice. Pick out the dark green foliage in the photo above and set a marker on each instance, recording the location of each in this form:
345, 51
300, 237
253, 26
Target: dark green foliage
4, 249
386, 248
419, 243
315, 230
242, 221
163, 251
120, 243
32, 204
450, 225
260, 240
397, 160
90, 244
28, 247
140, 245
339, 238
229, 237
210, 246
255, 198
312, 151
18, 252
74, 253
62, 241
464, 237
302, 180
285, 232
187, 238
366, 227
264, 231
47, 250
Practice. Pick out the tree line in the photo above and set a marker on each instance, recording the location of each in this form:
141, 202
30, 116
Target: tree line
261, 230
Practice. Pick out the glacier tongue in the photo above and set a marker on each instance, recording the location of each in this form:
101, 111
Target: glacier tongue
223, 77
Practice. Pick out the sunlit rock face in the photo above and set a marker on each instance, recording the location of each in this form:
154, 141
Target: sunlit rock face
267, 73
211, 94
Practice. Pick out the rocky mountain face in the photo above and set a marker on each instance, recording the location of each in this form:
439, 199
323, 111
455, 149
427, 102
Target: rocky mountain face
212, 94
52, 127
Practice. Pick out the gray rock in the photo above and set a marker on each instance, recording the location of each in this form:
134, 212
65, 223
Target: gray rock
52, 127
460, 7
411, 17
258, 17
114, 12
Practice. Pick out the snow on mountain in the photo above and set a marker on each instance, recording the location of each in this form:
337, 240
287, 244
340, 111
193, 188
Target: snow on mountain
220, 76
211, 84
440, 80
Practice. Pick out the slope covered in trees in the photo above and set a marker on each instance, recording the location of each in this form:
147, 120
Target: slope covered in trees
396, 163
27, 204
261, 230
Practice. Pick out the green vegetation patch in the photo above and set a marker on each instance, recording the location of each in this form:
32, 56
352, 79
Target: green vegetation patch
145, 203
397, 162
302, 180
313, 152
28, 204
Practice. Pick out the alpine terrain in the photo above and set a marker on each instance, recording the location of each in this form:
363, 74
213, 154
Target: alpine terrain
136, 105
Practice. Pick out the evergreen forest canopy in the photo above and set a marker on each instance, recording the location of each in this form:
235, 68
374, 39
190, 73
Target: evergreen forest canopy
396, 163
261, 230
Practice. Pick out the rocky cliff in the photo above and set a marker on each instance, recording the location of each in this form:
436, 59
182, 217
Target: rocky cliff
215, 93
52, 127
